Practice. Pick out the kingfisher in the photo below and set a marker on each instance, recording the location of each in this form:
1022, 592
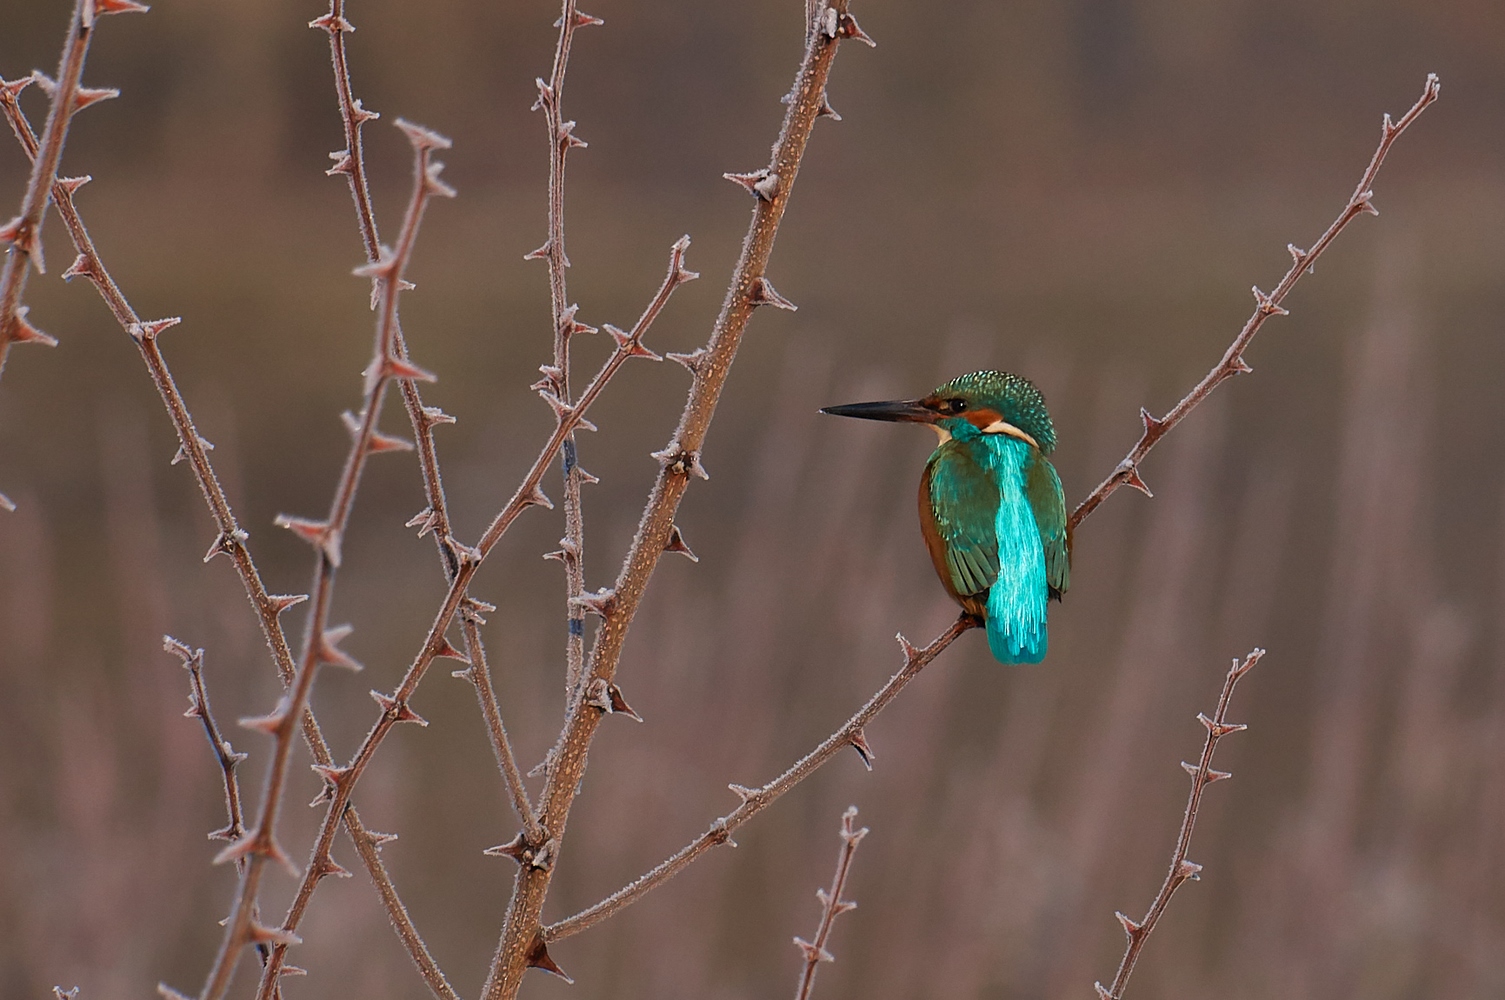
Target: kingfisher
991, 506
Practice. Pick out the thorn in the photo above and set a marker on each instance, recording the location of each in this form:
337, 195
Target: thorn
911, 653
423, 139
569, 326
181, 455
22, 332
691, 361
7, 504
602, 603
327, 866
542, 253
760, 183
516, 849
860, 744
1267, 305
538, 958
433, 416
61, 994
79, 268
1220, 729
261, 934
397, 711
344, 163
255, 843
567, 137
764, 294
1152, 425
281, 602
331, 23
148, 331
1130, 927
676, 459
379, 840
293, 970
537, 498
464, 553
72, 184
812, 953
848, 28
447, 651
826, 111
1102, 992
379, 442
1365, 203
1239, 365
85, 96
1188, 870
329, 651
425, 521
383, 267
586, 479
1298, 255
333, 776
319, 534
405, 369
433, 187
268, 724
676, 543
581, 20
42, 80
13, 88
743, 792
619, 704
225, 542
1135, 480
105, 7
677, 268
168, 993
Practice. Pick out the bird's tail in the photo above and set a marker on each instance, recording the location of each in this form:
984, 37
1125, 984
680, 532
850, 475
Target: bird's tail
1016, 621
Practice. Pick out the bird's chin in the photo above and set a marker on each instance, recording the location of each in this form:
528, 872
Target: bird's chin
941, 433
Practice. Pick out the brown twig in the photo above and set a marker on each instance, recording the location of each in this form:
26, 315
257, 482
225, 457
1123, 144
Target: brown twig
320, 643
24, 232
831, 906
562, 138
198, 708
231, 540
522, 944
1126, 473
1182, 870
755, 800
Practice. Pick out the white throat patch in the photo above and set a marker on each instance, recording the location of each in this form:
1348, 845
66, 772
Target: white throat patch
1004, 427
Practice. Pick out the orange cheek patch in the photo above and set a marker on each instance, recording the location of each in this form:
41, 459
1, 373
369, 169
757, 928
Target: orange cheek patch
983, 418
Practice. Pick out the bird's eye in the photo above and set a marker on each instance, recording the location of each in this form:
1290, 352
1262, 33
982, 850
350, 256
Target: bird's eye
957, 405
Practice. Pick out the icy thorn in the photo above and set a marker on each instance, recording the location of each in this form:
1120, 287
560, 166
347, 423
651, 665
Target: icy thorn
425, 521
361, 115
447, 651
256, 843
1239, 365
433, 417
678, 460
1267, 305
466, 554
516, 849
379, 840
22, 332
262, 934
397, 711
1152, 425
1130, 927
545, 97
1102, 992
168, 993
327, 866
586, 479
85, 96
292, 970
542, 253
629, 345
1220, 729
743, 792
676, 543
848, 28
401, 368
569, 326
537, 498
860, 744
81, 267
582, 20
150, 330
543, 858
567, 137
42, 80
329, 651
61, 994
826, 111
319, 534
268, 724
333, 776
760, 183
19, 234
602, 603
1365, 203
691, 361
332, 24
812, 953
103, 8
384, 267
911, 652
225, 543
344, 163
433, 187
1188, 870
422, 138
1298, 255
13, 88
764, 294
1134, 479
617, 705
538, 958
279, 603
72, 184
7, 504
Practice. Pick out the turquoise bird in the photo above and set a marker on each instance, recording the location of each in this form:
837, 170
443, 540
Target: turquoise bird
991, 506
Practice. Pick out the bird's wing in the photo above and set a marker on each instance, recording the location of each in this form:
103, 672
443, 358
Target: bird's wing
1048, 501
961, 515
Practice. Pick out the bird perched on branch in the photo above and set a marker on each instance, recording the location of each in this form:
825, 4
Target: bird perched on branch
991, 506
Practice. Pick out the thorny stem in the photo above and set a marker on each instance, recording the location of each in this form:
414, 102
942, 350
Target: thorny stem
1126, 473
1182, 870
831, 904
319, 644
755, 800
561, 140
522, 943
479, 674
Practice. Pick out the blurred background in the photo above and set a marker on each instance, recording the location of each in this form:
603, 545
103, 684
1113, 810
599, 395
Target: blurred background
1082, 192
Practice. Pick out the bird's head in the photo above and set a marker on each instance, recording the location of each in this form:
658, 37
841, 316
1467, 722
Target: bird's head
986, 402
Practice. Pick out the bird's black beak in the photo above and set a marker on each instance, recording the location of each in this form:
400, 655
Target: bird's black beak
898, 410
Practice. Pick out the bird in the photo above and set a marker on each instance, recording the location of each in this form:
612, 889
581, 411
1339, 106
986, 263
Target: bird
992, 511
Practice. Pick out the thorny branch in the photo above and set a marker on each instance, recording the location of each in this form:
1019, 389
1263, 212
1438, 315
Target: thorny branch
1182, 870
1126, 473
755, 800
831, 905
231, 539
522, 945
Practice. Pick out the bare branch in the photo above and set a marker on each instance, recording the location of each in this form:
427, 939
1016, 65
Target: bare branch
755, 800
198, 708
831, 904
1181, 870
1126, 473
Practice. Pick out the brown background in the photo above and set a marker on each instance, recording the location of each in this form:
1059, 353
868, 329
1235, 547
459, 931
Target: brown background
1080, 191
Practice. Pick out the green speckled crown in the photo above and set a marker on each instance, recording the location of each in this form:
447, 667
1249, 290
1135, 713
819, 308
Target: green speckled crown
1011, 395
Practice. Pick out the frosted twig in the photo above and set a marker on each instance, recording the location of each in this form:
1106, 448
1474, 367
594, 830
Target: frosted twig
831, 906
198, 708
1182, 870
479, 674
1126, 473
522, 942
